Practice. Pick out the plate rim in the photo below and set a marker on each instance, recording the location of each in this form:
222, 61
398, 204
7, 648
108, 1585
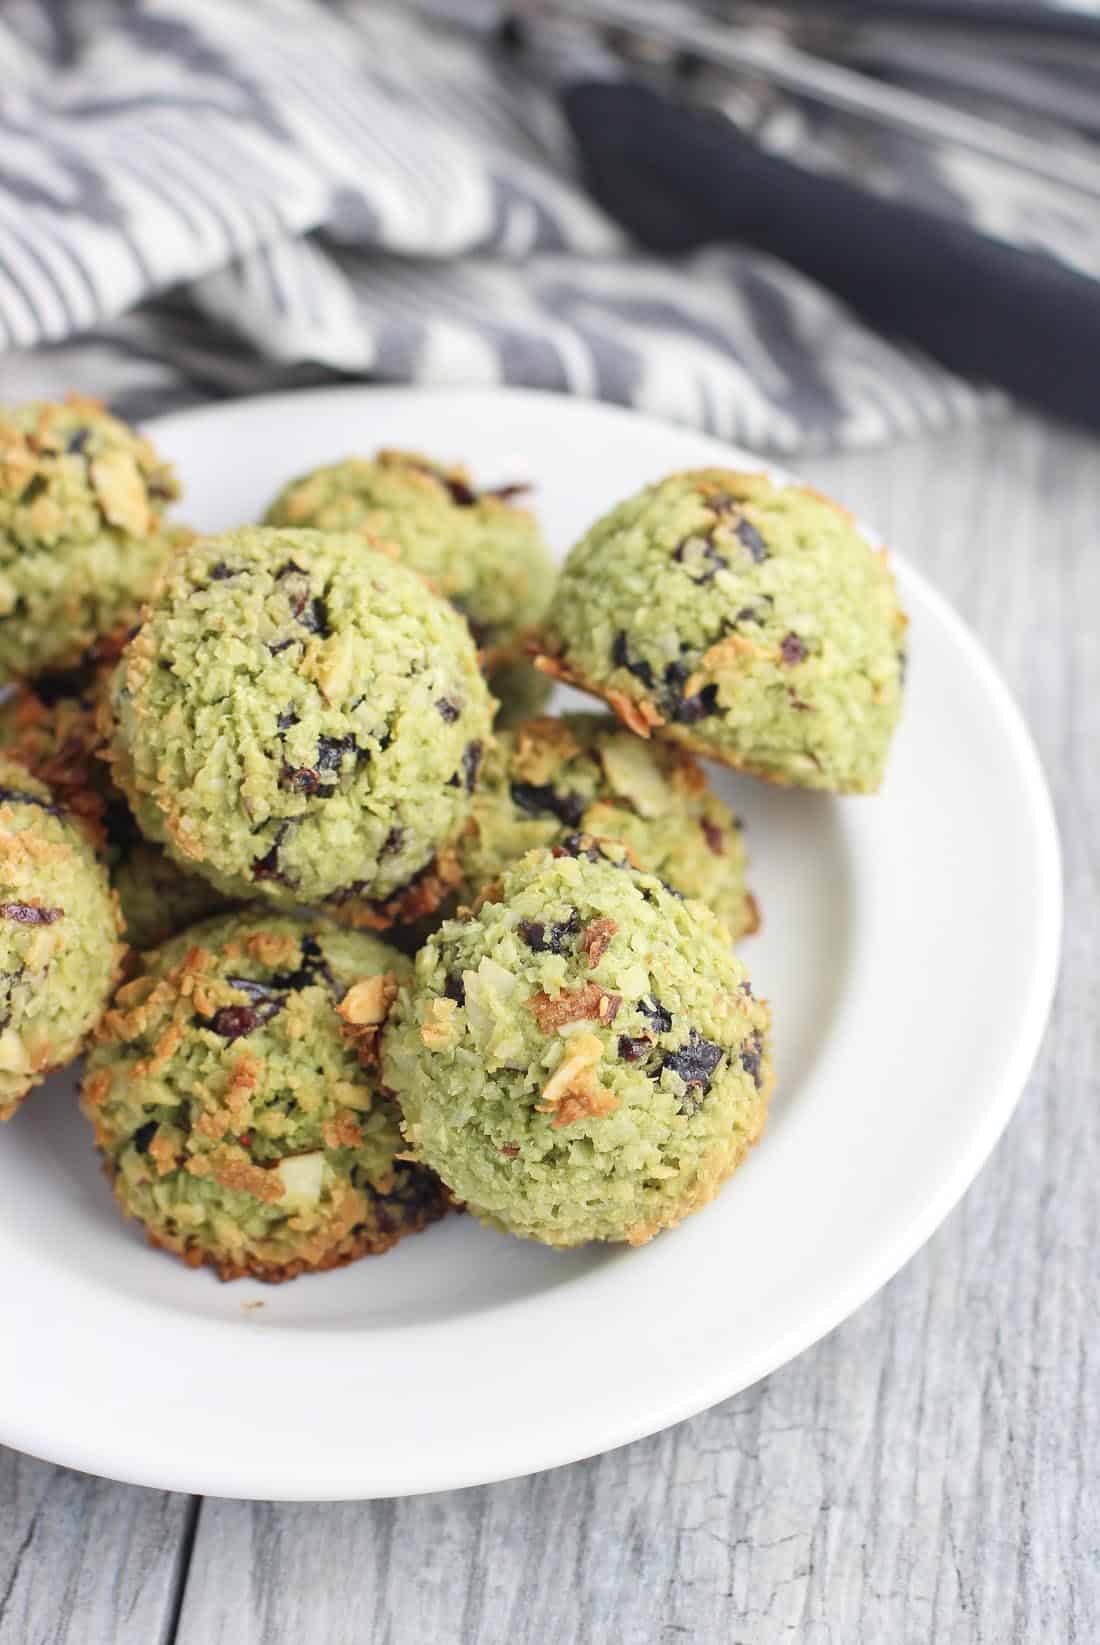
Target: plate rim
712, 1384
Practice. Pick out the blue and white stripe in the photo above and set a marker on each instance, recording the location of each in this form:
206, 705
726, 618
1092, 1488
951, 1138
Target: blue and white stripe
230, 196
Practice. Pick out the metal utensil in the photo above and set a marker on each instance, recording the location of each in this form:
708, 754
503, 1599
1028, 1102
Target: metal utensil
765, 52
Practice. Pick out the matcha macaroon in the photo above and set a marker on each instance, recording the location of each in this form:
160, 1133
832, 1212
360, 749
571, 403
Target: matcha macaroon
234, 1093
552, 777
300, 719
52, 729
82, 536
583, 1057
59, 948
748, 621
478, 549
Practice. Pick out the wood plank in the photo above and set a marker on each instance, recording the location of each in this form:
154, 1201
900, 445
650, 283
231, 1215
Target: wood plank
928, 1472
86, 1562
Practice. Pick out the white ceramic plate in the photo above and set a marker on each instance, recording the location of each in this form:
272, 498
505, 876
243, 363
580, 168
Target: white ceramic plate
909, 949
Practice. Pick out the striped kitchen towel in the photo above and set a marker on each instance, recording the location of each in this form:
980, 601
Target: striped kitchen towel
213, 197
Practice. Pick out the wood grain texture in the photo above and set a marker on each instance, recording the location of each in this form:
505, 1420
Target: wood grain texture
85, 1562
928, 1472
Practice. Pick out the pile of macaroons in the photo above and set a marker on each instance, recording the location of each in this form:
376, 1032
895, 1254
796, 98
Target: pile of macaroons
352, 932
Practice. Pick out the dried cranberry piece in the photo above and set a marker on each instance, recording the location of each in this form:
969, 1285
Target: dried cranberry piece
261, 991
15, 796
695, 1062
233, 1022
726, 506
416, 1189
621, 657
542, 799
461, 493
580, 845
748, 535
686, 710
267, 866
301, 779
26, 913
331, 751
633, 1050
314, 616
550, 939
752, 1050
697, 708
312, 970
471, 765
308, 610
144, 1135
454, 988
656, 1014
710, 561
792, 649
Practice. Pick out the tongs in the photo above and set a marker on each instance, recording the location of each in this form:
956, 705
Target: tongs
764, 42
684, 159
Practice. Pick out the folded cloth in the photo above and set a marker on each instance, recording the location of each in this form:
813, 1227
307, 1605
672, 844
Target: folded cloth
217, 196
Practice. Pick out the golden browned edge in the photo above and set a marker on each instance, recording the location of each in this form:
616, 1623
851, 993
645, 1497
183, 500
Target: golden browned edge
712, 476
413, 904
371, 1243
559, 669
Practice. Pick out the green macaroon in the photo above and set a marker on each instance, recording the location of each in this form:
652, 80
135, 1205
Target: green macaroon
236, 1103
582, 1058
59, 947
746, 620
477, 548
300, 719
82, 535
552, 777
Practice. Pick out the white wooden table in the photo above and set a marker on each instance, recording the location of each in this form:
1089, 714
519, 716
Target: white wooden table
928, 1473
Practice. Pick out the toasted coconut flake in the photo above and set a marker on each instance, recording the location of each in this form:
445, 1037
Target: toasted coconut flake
588, 1004
573, 1093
